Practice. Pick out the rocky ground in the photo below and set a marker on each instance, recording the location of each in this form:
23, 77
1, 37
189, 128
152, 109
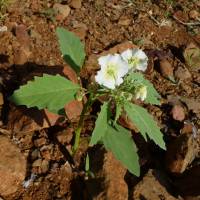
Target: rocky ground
35, 163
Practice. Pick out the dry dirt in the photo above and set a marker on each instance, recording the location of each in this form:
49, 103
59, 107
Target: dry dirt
34, 144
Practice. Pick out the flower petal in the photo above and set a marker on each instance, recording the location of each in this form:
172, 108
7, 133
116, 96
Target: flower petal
119, 81
99, 77
142, 66
123, 70
126, 55
136, 59
110, 84
140, 54
113, 68
103, 60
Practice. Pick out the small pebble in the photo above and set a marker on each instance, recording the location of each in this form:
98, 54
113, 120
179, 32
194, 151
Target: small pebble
76, 4
63, 10
178, 113
193, 14
182, 73
124, 21
3, 28
186, 88
166, 69
40, 166
46, 152
44, 166
35, 154
40, 142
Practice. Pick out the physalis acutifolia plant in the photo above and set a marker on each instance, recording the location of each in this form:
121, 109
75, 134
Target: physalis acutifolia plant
119, 80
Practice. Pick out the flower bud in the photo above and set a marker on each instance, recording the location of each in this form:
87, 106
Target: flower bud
141, 92
79, 95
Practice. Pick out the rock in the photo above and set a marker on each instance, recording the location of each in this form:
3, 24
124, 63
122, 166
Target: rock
3, 29
65, 136
184, 150
178, 113
152, 187
192, 104
187, 128
80, 32
40, 166
127, 123
112, 185
63, 10
63, 178
186, 87
182, 74
22, 35
70, 73
124, 21
46, 152
73, 110
192, 58
116, 187
37, 163
193, 14
44, 166
35, 34
22, 54
51, 118
35, 154
166, 69
12, 167
40, 142
24, 120
76, 4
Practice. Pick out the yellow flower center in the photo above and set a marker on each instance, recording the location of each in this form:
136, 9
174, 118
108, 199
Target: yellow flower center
111, 71
133, 61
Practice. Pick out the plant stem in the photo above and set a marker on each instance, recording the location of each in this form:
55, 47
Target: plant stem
80, 124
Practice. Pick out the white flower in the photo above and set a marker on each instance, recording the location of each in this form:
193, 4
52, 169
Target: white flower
141, 93
135, 58
113, 69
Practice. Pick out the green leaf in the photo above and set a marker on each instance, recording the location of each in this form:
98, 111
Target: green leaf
50, 91
145, 123
87, 163
101, 124
72, 48
152, 95
119, 141
118, 111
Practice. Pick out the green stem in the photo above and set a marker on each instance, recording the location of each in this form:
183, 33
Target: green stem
80, 124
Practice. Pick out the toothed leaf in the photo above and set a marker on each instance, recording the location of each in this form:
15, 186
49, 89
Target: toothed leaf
118, 140
101, 124
51, 92
145, 123
118, 111
71, 48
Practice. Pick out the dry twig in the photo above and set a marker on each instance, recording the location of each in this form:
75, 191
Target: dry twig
189, 23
